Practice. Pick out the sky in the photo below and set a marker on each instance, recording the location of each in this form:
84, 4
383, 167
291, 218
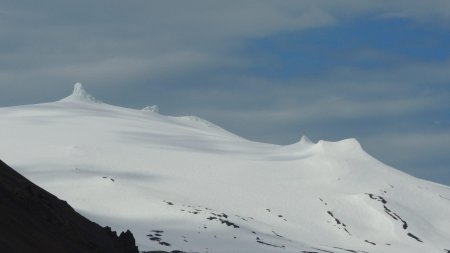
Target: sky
270, 71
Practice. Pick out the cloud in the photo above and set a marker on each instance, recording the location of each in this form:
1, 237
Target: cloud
430, 12
49, 35
423, 153
330, 109
418, 145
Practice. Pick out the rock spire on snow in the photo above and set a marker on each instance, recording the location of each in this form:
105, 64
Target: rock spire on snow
80, 94
153, 108
305, 139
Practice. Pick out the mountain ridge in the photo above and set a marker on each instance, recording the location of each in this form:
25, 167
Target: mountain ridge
184, 184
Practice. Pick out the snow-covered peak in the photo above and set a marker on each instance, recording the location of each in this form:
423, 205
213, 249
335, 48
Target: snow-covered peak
305, 140
347, 147
80, 94
153, 108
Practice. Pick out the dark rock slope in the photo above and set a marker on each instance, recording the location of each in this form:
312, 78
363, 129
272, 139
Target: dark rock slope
33, 220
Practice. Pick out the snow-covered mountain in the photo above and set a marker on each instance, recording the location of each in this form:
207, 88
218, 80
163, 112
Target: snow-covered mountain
184, 183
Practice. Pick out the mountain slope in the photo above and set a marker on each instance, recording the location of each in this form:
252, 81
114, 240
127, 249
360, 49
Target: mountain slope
185, 183
33, 220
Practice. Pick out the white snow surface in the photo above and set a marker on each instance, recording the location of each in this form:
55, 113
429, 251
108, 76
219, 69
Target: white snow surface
153, 108
183, 183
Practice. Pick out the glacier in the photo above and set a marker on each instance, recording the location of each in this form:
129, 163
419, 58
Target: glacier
184, 183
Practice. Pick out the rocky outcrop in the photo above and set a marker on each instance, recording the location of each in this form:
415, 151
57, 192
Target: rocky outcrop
33, 220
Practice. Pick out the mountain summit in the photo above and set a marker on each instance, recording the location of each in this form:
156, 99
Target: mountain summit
305, 140
79, 94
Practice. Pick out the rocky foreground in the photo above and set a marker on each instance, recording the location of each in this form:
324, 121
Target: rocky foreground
33, 220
